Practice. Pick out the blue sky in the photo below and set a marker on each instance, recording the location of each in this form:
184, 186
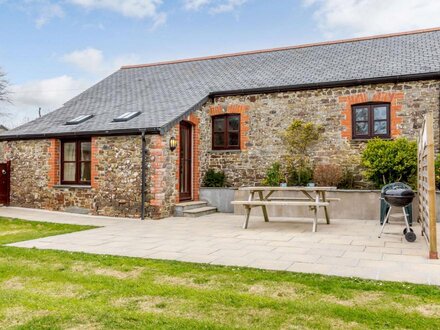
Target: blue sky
52, 50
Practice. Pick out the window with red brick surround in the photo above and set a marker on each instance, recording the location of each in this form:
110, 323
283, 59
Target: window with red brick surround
371, 120
226, 132
76, 161
238, 109
394, 99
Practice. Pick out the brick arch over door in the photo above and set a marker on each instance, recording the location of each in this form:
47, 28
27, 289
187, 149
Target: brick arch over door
394, 99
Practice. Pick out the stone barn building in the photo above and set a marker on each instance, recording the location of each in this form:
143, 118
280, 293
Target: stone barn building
141, 140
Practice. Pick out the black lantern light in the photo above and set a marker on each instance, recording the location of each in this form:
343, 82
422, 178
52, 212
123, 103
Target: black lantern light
173, 143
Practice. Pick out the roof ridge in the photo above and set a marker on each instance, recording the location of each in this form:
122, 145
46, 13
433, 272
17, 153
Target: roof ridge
268, 50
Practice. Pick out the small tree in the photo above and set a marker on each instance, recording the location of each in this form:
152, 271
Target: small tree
390, 161
299, 137
3, 87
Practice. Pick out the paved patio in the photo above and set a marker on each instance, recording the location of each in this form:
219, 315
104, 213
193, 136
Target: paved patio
344, 248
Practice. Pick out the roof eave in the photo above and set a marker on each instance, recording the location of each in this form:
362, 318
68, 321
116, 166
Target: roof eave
133, 131
330, 84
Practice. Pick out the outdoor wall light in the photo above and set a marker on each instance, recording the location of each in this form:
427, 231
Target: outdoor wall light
173, 143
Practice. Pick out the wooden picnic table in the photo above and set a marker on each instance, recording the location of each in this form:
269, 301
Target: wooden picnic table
315, 197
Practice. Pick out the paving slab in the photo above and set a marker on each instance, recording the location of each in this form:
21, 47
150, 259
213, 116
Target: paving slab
343, 248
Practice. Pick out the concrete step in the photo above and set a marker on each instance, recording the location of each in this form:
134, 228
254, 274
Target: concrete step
199, 212
185, 206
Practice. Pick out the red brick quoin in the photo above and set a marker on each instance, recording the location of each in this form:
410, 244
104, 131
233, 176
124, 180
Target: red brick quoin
54, 162
395, 100
157, 150
242, 110
94, 163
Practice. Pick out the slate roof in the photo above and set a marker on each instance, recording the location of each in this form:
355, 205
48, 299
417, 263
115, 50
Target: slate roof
164, 92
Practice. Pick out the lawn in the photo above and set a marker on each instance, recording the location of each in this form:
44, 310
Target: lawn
53, 289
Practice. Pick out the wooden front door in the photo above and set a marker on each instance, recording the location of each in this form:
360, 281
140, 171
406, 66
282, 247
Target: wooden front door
185, 170
5, 182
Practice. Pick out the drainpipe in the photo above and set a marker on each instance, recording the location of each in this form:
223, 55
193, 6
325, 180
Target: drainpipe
144, 152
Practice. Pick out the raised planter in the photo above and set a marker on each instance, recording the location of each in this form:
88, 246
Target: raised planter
354, 204
219, 197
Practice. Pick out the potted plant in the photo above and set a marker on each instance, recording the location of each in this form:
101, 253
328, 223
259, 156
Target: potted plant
215, 191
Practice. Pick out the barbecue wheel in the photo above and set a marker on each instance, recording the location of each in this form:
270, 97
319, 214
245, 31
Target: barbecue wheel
405, 230
409, 235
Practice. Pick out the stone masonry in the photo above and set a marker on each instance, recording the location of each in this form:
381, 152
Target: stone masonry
116, 160
265, 116
116, 177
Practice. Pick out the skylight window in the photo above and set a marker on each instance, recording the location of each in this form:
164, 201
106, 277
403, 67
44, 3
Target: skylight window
78, 120
127, 116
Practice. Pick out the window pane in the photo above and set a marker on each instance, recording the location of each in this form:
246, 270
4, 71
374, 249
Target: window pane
69, 172
380, 113
69, 151
85, 171
380, 127
219, 140
219, 124
361, 114
233, 139
234, 123
362, 128
86, 150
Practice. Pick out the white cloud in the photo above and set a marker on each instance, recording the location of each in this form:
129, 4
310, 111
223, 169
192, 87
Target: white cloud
195, 4
159, 20
52, 93
214, 6
92, 60
89, 59
49, 94
48, 12
129, 8
366, 17
227, 6
40, 11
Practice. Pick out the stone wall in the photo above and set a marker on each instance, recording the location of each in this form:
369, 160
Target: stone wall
116, 160
116, 181
268, 115
117, 188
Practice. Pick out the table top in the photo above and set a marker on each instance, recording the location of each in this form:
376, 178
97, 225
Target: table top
263, 188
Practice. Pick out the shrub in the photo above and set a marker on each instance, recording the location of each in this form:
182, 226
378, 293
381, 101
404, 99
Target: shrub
300, 176
327, 175
437, 172
390, 161
214, 179
347, 180
274, 175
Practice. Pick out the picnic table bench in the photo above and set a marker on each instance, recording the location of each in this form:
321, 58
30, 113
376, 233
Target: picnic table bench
266, 199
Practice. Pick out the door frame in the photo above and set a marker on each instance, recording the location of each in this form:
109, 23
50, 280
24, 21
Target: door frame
8, 182
189, 126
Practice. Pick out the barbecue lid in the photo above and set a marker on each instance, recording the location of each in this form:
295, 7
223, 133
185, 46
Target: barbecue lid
400, 193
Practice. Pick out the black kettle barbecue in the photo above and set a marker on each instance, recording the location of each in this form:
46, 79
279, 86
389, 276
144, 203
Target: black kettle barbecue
398, 195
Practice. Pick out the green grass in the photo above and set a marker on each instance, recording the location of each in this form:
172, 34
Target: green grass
58, 290
16, 230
